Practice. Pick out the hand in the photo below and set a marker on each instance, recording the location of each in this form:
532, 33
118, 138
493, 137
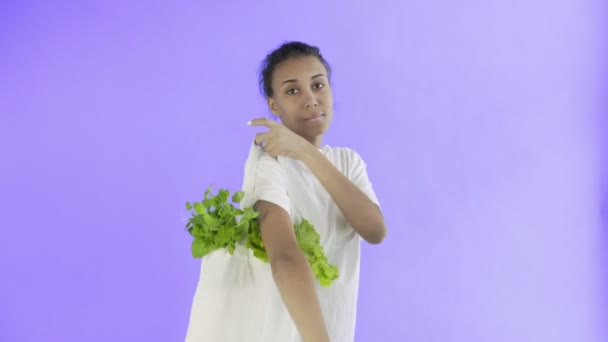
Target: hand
280, 140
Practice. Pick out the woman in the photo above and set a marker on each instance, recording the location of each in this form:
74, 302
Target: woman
290, 176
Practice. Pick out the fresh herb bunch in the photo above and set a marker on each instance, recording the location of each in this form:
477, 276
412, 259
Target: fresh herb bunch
217, 224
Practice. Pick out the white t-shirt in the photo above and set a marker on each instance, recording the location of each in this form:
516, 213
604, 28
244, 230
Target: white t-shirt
236, 299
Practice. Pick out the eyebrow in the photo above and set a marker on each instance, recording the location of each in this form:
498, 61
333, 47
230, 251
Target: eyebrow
295, 81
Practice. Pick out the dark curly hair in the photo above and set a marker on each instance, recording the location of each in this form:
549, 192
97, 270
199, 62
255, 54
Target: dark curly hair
282, 53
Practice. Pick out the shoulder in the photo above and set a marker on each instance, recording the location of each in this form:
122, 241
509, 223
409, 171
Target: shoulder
346, 159
343, 153
264, 159
267, 168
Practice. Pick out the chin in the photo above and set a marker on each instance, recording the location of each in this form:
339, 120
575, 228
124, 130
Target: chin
318, 130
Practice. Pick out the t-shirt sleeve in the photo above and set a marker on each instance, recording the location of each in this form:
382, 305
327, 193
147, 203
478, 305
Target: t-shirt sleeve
270, 182
359, 177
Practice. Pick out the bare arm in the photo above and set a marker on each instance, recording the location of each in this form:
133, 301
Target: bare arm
291, 271
362, 214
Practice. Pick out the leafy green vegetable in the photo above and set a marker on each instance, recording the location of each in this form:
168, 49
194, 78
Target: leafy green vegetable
217, 224
309, 241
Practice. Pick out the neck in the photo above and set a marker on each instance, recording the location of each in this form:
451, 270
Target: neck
316, 141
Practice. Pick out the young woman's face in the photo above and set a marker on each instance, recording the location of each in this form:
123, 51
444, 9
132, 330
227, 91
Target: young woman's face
302, 96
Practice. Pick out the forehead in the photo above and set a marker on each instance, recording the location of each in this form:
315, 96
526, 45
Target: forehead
298, 68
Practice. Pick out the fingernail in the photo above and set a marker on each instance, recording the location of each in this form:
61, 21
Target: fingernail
249, 123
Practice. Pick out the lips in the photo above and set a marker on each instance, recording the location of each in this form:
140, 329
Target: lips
314, 116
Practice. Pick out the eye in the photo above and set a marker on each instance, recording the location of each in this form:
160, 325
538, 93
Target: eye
318, 85
292, 91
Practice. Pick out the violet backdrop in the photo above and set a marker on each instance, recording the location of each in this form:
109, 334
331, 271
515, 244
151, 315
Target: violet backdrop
481, 123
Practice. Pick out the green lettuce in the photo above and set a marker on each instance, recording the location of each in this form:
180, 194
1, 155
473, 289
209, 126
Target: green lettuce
217, 224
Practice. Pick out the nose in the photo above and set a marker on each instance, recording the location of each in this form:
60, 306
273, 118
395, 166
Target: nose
310, 100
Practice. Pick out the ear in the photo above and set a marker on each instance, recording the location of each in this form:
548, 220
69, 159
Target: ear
272, 105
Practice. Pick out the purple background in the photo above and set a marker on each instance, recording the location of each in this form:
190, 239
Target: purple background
479, 120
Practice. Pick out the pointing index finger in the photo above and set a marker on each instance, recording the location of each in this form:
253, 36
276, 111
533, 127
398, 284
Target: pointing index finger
261, 122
